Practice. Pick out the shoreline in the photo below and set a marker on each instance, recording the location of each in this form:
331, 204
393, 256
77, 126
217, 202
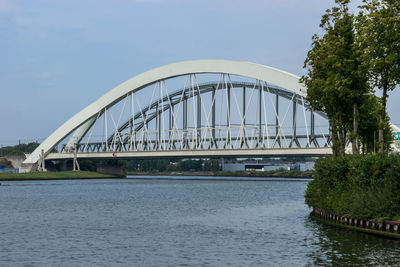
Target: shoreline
385, 228
71, 175
225, 174
214, 178
66, 175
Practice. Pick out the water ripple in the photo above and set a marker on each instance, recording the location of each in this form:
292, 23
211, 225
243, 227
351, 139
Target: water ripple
174, 223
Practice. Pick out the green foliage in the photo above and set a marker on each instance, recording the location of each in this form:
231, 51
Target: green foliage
379, 30
16, 153
88, 165
366, 186
369, 124
191, 165
148, 165
167, 165
18, 149
336, 79
326, 86
211, 165
353, 55
280, 173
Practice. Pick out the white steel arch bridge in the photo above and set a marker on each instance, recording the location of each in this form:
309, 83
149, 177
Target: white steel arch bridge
199, 108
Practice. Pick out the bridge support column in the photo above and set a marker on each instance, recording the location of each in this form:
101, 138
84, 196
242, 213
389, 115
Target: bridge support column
75, 164
41, 164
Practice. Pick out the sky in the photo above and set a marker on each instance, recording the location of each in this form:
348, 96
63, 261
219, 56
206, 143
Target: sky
56, 57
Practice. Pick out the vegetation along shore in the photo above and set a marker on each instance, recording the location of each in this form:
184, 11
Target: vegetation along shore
355, 55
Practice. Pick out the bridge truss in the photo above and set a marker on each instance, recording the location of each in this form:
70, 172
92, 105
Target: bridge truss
204, 107
222, 115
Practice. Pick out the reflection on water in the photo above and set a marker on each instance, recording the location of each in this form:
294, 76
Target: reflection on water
131, 222
343, 247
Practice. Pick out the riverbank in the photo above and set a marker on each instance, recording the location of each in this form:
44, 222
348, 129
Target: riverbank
384, 228
280, 174
358, 192
363, 186
55, 176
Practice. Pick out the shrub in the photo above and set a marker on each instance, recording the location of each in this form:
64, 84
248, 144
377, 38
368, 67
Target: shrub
365, 186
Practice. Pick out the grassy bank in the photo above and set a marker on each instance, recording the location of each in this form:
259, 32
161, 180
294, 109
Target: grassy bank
279, 173
54, 175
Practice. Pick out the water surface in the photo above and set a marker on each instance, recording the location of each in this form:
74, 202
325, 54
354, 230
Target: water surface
152, 222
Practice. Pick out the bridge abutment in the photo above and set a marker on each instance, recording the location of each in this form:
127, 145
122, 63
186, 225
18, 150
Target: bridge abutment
28, 167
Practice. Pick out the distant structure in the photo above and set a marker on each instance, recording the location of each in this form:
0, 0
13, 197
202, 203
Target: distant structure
265, 165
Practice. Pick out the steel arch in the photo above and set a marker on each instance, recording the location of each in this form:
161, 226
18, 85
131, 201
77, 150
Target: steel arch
82, 120
205, 88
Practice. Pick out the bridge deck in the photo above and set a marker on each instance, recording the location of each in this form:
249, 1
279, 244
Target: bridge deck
271, 152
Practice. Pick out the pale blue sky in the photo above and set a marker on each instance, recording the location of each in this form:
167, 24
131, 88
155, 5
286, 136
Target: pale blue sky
56, 57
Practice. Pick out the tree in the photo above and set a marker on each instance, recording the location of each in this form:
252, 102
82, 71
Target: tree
190, 165
336, 79
369, 119
378, 26
211, 165
18, 149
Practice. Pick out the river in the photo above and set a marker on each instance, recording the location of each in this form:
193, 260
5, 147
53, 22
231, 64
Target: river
153, 222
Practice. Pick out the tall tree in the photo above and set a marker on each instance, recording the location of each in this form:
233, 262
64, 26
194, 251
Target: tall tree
379, 30
369, 119
336, 79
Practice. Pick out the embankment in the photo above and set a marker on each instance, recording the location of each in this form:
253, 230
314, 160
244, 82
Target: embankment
281, 174
56, 176
385, 228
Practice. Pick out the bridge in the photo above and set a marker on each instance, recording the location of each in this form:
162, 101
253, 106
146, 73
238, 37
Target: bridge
199, 108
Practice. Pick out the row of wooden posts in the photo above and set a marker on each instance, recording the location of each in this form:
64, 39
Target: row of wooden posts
384, 226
